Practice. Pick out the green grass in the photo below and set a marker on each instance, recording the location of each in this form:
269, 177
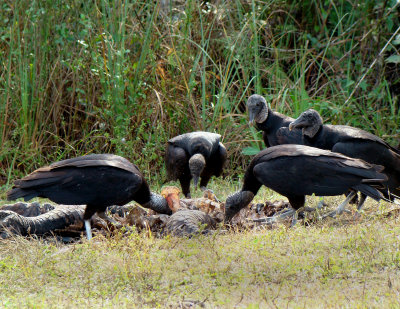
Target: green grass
334, 263
125, 76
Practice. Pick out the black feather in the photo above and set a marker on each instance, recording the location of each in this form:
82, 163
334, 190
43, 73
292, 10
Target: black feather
182, 148
97, 181
352, 142
296, 171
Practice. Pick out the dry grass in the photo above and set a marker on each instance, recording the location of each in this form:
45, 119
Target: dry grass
335, 263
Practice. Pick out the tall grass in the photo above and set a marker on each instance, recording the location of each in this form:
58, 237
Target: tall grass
125, 76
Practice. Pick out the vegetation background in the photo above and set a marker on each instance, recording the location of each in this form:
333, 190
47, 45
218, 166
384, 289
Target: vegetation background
80, 77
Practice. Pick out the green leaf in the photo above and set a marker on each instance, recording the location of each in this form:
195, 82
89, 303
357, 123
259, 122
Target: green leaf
393, 59
250, 151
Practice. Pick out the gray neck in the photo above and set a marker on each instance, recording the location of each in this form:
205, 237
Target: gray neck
237, 201
312, 130
158, 204
315, 123
262, 115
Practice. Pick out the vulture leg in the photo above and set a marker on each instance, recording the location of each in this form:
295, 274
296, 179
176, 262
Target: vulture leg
88, 229
297, 202
296, 214
342, 206
295, 217
321, 203
363, 197
90, 210
185, 184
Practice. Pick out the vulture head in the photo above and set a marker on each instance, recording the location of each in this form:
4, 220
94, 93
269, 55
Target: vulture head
235, 202
257, 108
309, 121
158, 203
197, 163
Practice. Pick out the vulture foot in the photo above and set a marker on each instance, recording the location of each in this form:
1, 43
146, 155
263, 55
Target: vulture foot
334, 213
276, 218
341, 208
283, 214
296, 214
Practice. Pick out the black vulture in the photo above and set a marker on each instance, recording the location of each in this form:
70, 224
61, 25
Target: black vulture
194, 155
97, 181
273, 124
297, 170
352, 142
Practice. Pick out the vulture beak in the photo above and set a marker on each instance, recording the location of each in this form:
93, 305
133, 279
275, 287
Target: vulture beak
298, 123
195, 180
171, 194
251, 118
